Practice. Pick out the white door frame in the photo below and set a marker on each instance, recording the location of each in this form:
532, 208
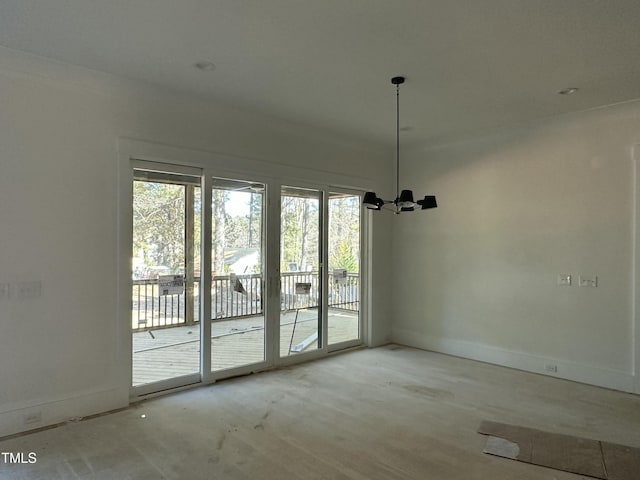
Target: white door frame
195, 377
635, 284
208, 375
273, 175
362, 281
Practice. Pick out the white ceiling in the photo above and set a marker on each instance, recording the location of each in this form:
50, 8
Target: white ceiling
471, 65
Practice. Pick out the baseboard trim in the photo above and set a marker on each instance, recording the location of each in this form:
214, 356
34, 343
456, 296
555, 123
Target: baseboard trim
37, 416
577, 372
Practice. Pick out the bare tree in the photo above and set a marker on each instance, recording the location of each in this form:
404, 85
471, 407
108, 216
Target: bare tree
218, 231
304, 233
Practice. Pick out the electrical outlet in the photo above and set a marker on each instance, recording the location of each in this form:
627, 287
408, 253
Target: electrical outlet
564, 280
33, 417
550, 367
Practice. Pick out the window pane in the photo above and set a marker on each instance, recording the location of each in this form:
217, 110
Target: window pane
300, 293
344, 268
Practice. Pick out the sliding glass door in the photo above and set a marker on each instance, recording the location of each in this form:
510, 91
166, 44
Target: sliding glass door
301, 246
165, 320
237, 271
344, 286
201, 309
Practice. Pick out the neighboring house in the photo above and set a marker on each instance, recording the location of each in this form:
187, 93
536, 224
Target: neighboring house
242, 261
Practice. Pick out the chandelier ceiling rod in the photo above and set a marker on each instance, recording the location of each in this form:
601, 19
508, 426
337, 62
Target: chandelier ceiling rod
404, 199
397, 81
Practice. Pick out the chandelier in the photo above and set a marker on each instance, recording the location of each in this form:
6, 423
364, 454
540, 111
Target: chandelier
404, 199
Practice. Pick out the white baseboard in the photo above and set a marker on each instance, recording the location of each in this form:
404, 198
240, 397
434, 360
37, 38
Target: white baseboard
598, 376
17, 419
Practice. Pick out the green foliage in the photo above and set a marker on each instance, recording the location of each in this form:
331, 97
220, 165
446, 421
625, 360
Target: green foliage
344, 233
344, 257
159, 223
245, 231
299, 232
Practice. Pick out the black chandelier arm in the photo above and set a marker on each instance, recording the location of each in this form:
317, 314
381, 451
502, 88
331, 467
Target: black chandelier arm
427, 203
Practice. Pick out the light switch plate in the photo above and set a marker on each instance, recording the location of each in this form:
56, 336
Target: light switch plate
564, 280
588, 281
29, 290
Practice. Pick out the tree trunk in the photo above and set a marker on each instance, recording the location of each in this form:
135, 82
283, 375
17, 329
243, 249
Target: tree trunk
304, 233
218, 237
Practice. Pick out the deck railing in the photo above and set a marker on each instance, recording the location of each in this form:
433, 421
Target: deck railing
235, 296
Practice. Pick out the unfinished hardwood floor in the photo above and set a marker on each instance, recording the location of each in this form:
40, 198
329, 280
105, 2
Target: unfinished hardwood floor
384, 413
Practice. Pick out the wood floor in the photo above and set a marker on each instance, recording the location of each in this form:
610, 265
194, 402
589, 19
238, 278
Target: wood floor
386, 413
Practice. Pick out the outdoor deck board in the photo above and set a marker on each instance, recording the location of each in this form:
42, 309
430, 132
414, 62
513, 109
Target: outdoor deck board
172, 352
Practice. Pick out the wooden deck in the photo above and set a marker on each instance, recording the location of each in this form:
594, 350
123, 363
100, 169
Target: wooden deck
172, 352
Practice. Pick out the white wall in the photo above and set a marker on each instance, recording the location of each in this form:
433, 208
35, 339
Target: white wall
59, 128
477, 277
381, 312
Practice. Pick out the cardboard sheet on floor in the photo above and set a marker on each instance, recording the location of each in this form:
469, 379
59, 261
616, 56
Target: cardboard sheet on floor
583, 456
